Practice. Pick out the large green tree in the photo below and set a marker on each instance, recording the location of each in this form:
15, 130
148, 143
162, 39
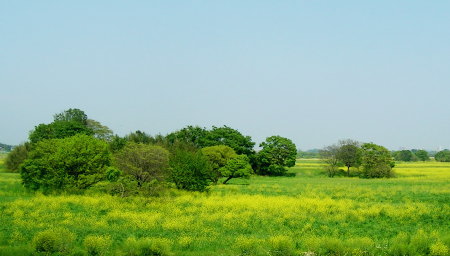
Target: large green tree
194, 135
376, 161
190, 169
276, 154
236, 167
230, 137
349, 154
443, 156
58, 130
72, 115
422, 155
75, 162
218, 157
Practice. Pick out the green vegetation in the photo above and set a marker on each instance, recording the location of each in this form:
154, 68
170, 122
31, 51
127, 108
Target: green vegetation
305, 212
443, 156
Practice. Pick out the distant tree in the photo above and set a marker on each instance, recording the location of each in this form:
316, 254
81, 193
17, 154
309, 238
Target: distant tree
76, 162
404, 155
144, 163
349, 153
117, 143
276, 154
17, 156
218, 157
194, 135
189, 169
229, 137
237, 167
329, 155
72, 115
99, 131
139, 137
58, 130
422, 155
443, 156
376, 161
313, 153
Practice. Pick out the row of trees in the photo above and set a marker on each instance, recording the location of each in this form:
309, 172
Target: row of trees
75, 152
374, 161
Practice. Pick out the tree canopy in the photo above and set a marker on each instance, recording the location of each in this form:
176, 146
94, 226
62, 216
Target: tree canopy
276, 154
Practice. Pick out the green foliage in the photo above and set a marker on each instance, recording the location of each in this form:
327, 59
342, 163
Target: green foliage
422, 155
53, 241
117, 143
143, 162
147, 247
193, 135
218, 157
276, 154
72, 115
58, 164
443, 156
329, 156
97, 245
58, 130
237, 167
17, 156
139, 137
249, 246
190, 170
229, 137
349, 154
99, 131
376, 161
404, 155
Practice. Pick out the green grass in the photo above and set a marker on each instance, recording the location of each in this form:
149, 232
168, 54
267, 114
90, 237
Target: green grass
303, 212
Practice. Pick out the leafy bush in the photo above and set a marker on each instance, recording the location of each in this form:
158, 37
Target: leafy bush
97, 244
376, 161
218, 157
190, 170
439, 249
76, 162
443, 156
53, 241
147, 247
17, 156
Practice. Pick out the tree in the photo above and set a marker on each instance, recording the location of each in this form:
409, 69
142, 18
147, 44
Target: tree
376, 161
58, 130
422, 155
17, 156
76, 162
404, 155
143, 162
236, 167
229, 137
189, 170
218, 157
194, 135
349, 153
72, 115
139, 137
329, 156
443, 156
99, 131
277, 153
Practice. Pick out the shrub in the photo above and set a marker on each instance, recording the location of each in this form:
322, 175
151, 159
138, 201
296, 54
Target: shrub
53, 241
190, 170
97, 244
17, 156
77, 162
376, 161
281, 246
147, 247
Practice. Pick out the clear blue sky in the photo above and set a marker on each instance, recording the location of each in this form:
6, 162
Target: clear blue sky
312, 71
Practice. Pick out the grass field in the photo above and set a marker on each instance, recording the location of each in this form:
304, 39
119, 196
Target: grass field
304, 214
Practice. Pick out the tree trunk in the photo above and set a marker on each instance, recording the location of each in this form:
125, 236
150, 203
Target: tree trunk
229, 178
348, 171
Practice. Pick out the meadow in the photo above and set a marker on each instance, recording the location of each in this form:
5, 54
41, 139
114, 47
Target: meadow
304, 213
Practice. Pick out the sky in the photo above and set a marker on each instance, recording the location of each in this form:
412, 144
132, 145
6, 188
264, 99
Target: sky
312, 71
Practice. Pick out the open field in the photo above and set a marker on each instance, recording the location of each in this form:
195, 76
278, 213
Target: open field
305, 214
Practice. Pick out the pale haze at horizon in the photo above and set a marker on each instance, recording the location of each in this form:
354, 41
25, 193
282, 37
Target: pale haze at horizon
312, 71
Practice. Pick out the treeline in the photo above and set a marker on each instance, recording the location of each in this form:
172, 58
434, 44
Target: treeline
6, 148
74, 153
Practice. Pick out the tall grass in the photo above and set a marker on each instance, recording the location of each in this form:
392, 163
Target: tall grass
306, 213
